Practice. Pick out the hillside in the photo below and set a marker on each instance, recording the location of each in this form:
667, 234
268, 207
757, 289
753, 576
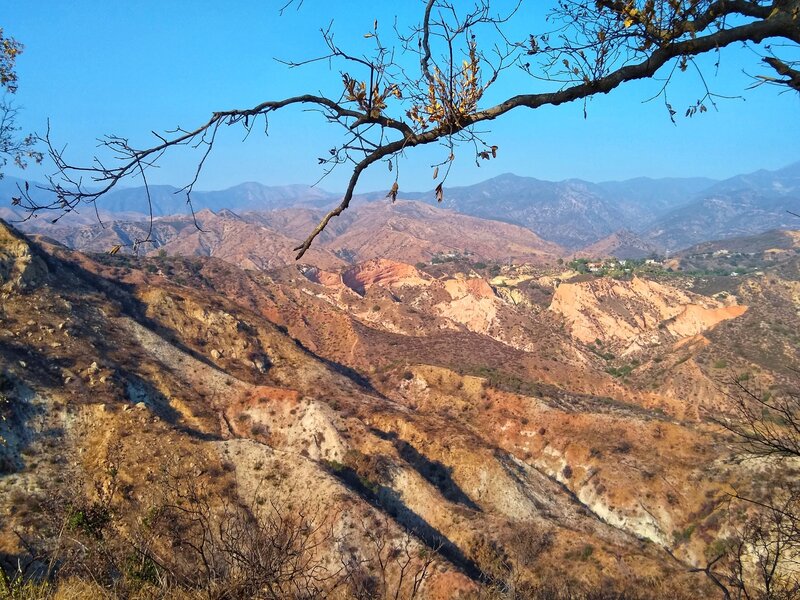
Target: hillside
406, 231
462, 411
620, 244
775, 241
413, 232
740, 206
572, 213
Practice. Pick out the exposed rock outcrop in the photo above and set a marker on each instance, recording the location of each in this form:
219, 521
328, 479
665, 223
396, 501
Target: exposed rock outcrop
636, 312
386, 273
20, 266
472, 303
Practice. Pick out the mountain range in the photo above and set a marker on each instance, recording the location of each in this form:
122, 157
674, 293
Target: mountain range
634, 218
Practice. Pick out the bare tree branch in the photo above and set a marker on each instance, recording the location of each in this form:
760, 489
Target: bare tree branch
598, 46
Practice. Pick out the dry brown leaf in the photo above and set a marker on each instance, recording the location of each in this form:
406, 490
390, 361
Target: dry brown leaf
393, 192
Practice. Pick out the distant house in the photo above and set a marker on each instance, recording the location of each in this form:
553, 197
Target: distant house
594, 266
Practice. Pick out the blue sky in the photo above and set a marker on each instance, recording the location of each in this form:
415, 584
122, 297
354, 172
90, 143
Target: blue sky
131, 67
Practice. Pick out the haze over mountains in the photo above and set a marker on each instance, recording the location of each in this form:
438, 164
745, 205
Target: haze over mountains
629, 219
435, 380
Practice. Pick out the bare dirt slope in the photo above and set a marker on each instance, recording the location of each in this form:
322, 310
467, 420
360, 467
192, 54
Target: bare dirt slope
376, 392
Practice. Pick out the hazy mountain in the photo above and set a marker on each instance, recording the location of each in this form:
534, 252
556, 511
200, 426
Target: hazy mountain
168, 200
669, 213
649, 197
739, 206
10, 187
573, 213
254, 196
780, 183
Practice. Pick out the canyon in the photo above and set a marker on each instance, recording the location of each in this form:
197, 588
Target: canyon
520, 422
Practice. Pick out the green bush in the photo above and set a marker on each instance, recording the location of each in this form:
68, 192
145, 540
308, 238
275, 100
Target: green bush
679, 537
90, 520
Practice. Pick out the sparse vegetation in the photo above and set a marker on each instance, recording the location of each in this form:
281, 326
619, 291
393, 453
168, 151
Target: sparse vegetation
582, 553
622, 371
467, 447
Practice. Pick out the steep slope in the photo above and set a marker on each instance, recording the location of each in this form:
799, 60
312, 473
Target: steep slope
740, 206
636, 313
156, 389
620, 244
554, 402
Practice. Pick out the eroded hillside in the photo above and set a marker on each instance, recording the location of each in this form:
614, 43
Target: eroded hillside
373, 399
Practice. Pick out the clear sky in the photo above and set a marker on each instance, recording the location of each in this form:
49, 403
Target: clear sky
97, 67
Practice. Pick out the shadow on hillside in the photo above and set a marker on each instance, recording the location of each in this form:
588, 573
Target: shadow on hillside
15, 434
434, 472
137, 390
353, 375
393, 505
20, 565
62, 266
389, 502
23, 416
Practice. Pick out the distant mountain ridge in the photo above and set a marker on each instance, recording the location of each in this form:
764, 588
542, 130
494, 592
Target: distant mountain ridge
573, 213
168, 200
662, 214
740, 206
